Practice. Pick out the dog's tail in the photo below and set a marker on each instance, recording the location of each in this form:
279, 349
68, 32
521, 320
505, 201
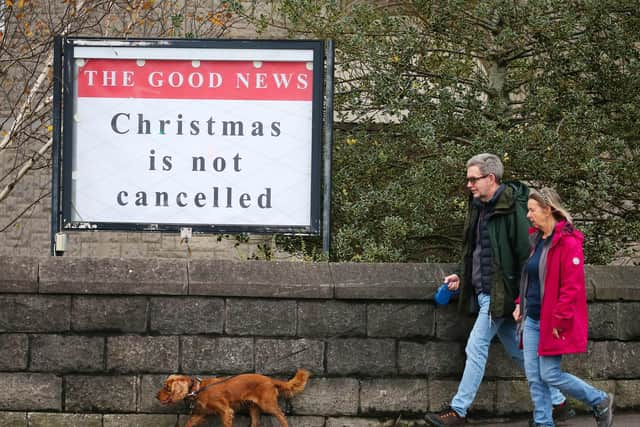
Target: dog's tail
295, 385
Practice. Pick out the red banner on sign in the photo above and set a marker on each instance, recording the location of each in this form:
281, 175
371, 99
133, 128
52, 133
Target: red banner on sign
185, 79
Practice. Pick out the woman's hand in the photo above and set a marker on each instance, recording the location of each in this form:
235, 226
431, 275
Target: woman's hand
517, 315
556, 333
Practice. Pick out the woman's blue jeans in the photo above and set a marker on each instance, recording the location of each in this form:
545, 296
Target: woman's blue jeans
484, 329
544, 371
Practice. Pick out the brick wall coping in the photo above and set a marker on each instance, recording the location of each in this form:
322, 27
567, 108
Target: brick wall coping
261, 279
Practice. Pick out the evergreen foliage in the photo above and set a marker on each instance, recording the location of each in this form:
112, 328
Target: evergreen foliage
550, 85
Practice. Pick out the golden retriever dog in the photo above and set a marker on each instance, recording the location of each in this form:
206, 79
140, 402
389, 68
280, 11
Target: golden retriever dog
222, 396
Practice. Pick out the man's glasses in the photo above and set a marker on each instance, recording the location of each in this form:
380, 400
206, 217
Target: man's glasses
474, 179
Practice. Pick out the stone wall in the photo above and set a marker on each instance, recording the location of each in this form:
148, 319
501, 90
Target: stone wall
88, 341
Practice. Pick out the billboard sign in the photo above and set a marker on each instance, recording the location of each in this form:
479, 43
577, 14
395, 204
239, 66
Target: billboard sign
217, 135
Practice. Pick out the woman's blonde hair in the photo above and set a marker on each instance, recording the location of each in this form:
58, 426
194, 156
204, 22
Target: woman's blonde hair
547, 196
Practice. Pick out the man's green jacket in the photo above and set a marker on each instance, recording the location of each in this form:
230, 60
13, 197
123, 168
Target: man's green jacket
508, 227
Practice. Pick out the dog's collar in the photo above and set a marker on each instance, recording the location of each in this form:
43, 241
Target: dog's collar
194, 387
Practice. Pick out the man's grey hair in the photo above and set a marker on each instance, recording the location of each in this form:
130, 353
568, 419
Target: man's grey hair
488, 164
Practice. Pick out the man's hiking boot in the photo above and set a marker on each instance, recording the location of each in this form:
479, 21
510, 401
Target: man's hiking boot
561, 412
603, 411
446, 417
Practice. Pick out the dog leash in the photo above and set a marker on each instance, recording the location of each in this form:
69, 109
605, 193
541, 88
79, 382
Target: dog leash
192, 395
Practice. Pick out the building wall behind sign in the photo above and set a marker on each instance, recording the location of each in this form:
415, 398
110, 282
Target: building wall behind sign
25, 216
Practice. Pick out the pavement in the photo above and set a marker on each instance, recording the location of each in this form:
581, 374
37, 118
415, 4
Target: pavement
620, 419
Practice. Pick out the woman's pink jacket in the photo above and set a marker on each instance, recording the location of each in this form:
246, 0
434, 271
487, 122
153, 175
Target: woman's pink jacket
564, 301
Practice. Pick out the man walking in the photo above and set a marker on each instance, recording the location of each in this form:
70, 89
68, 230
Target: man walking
495, 247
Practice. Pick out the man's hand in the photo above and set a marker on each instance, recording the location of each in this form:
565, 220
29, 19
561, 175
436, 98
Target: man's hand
453, 282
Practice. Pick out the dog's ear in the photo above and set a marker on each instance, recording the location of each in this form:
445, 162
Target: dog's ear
169, 381
178, 386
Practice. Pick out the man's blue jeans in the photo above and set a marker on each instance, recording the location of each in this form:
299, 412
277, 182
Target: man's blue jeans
544, 372
484, 329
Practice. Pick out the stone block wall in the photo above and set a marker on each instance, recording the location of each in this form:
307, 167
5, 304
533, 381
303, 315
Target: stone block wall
88, 341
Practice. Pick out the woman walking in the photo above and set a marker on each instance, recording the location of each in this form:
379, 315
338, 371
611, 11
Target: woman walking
552, 310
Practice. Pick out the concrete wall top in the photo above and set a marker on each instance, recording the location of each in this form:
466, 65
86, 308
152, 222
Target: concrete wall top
261, 279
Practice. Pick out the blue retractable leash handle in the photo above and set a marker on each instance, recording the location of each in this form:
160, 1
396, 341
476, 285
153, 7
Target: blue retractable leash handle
443, 294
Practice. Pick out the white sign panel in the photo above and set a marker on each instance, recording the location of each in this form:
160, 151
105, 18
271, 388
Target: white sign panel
224, 139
